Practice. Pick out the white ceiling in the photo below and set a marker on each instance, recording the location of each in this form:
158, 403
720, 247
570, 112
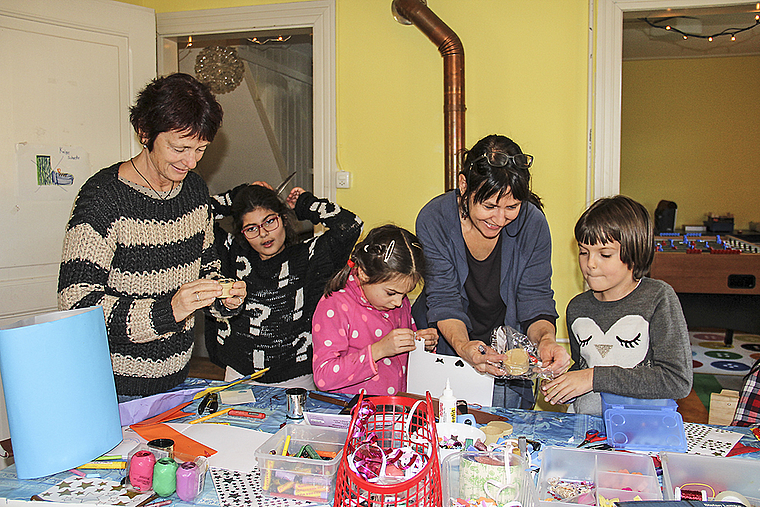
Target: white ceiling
641, 41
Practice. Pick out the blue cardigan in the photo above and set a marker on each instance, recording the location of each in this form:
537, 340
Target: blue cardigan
525, 266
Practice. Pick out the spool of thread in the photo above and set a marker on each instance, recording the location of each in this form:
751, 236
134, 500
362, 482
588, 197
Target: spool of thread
141, 470
188, 481
162, 448
165, 477
690, 494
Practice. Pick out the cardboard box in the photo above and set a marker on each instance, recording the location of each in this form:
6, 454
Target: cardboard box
723, 407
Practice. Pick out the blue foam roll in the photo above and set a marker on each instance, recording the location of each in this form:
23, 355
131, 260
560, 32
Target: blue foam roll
59, 391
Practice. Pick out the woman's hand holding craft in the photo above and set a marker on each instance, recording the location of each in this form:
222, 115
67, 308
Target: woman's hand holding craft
237, 295
482, 357
194, 296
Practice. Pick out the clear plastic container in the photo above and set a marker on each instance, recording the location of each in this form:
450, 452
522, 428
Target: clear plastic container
643, 425
625, 476
722, 474
469, 475
307, 479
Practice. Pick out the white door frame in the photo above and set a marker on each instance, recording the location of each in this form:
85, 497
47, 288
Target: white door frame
319, 15
603, 176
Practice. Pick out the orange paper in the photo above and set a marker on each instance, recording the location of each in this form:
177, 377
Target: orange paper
185, 448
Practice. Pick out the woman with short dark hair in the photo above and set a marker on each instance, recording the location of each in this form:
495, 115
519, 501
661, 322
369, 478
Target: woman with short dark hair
139, 242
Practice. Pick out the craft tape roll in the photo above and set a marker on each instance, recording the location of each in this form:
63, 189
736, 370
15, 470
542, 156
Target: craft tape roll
59, 391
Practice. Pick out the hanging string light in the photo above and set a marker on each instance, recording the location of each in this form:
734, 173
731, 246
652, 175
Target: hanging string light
732, 32
264, 40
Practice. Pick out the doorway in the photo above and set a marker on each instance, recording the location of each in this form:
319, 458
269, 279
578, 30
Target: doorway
604, 171
316, 18
263, 82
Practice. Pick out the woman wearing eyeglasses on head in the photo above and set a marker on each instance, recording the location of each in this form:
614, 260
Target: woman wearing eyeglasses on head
285, 279
488, 251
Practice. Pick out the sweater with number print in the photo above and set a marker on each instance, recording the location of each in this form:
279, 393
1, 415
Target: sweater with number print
274, 328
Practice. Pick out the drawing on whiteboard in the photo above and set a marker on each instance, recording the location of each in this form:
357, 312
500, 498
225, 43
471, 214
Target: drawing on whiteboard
47, 176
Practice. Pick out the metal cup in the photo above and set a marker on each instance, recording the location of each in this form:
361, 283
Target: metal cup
296, 402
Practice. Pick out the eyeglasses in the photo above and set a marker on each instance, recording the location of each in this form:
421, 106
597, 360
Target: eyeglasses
269, 225
499, 159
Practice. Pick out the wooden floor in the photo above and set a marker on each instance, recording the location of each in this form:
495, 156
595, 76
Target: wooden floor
690, 408
201, 367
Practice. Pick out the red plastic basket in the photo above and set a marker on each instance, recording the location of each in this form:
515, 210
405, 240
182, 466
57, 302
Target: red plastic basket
394, 426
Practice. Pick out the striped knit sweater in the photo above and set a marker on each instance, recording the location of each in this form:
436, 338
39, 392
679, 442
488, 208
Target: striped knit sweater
129, 253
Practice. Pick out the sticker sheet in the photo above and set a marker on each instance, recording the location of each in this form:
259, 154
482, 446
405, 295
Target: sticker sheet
709, 441
94, 490
237, 488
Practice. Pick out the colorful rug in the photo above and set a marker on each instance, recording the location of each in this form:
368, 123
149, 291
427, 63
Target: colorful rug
711, 356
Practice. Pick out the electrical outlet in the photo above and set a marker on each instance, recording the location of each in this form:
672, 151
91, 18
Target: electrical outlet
343, 179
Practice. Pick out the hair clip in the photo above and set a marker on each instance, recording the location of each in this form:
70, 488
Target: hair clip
389, 251
350, 264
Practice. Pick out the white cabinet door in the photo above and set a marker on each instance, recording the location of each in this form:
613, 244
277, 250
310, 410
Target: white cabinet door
70, 71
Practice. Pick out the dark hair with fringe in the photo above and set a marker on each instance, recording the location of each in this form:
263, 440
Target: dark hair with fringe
388, 251
484, 180
254, 197
175, 103
624, 220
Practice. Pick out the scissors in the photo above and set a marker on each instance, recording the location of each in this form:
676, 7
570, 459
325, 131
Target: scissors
593, 436
282, 185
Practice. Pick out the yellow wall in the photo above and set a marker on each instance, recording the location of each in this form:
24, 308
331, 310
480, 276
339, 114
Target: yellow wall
690, 134
526, 75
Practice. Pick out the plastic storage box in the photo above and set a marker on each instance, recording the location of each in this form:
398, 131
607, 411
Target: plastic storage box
307, 479
614, 475
469, 475
643, 425
693, 471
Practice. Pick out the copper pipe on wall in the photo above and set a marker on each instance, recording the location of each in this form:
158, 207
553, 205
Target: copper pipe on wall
416, 12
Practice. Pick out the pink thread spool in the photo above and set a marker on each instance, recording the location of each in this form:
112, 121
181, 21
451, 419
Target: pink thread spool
141, 470
188, 481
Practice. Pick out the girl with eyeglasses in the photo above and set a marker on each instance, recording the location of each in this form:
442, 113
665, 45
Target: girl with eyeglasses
285, 278
488, 251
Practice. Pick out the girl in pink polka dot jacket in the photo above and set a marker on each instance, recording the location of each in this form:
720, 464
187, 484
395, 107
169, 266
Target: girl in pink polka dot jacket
362, 329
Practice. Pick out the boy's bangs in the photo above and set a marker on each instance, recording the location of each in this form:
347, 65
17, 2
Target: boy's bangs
592, 234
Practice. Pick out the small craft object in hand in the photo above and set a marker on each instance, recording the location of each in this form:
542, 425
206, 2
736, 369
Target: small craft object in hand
522, 361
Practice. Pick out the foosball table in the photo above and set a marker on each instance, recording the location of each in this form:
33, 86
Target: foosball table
715, 277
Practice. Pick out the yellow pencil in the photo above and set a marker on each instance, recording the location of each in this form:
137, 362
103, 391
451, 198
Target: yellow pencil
104, 465
207, 417
252, 376
285, 447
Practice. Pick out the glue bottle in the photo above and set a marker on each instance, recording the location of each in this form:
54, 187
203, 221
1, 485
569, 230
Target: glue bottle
447, 406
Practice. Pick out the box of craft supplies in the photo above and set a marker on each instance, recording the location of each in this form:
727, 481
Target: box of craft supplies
571, 476
471, 477
722, 479
300, 462
636, 424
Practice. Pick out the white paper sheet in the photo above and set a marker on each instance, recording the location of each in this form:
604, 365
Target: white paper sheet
428, 372
236, 447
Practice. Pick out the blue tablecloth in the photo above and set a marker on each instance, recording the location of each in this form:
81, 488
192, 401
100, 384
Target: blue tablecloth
548, 428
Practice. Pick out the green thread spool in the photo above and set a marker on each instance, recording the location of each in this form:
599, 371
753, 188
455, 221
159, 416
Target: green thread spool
165, 477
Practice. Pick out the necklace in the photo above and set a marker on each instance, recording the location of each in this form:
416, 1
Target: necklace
163, 198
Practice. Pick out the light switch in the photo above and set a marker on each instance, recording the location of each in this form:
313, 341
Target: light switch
343, 179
